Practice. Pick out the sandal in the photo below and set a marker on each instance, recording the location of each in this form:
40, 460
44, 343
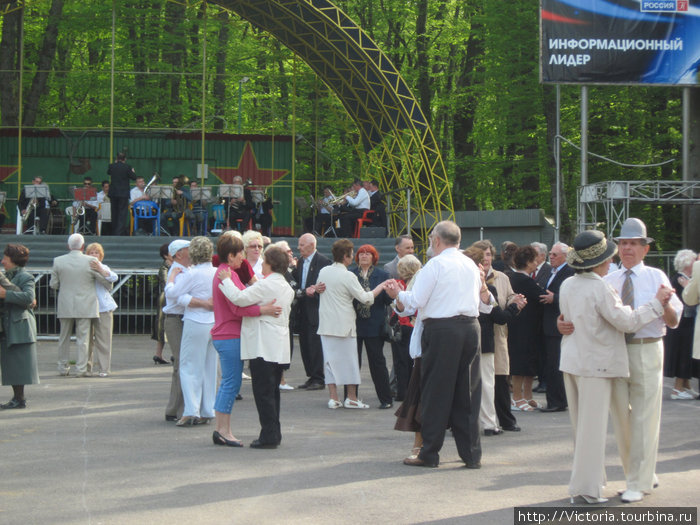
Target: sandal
523, 405
533, 403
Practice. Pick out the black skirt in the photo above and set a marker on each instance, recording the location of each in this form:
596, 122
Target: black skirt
408, 417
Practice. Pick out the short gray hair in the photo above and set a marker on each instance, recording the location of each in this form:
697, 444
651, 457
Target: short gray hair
540, 247
448, 232
563, 247
76, 241
201, 250
683, 259
408, 266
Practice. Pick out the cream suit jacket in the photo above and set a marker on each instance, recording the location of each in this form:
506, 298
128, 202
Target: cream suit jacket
336, 314
75, 281
691, 296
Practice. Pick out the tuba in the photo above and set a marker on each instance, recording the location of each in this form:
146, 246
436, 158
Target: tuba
154, 179
30, 207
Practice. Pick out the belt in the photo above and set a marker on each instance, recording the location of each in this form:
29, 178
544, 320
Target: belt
454, 318
179, 316
643, 340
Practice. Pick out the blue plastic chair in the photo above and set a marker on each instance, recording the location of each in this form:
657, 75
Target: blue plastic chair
219, 214
146, 210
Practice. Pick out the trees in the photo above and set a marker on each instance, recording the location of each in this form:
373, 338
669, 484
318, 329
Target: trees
472, 64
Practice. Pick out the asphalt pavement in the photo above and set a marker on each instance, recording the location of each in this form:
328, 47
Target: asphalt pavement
99, 451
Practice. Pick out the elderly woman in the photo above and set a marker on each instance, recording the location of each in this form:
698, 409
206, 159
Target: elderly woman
370, 321
197, 354
226, 336
678, 342
265, 339
500, 363
18, 341
523, 330
289, 275
101, 328
253, 244
337, 328
159, 322
595, 354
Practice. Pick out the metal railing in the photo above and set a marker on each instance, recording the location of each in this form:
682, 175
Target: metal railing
136, 294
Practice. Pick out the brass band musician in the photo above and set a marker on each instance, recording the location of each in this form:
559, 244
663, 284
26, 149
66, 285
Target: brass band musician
324, 209
31, 208
240, 208
354, 208
198, 213
85, 211
172, 209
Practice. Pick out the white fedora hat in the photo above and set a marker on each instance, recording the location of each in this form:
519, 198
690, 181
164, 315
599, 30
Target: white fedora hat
634, 228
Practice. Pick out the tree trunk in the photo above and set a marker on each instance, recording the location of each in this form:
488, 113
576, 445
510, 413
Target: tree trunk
691, 231
9, 65
422, 62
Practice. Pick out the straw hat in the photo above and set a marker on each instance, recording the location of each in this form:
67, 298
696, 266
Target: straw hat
590, 248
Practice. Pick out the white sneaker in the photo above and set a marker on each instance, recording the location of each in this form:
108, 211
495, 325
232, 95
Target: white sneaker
692, 392
333, 404
286, 386
630, 496
245, 376
350, 403
681, 394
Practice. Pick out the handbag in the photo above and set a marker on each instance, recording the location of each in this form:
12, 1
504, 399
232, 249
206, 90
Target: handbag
391, 330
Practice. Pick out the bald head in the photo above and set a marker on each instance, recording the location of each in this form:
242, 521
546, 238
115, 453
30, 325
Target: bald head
307, 245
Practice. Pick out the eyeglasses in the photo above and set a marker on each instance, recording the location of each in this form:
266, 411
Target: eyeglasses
254, 247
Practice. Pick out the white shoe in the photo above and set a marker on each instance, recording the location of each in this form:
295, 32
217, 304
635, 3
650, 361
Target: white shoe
103, 374
630, 496
681, 395
692, 392
333, 404
350, 403
591, 500
245, 376
286, 386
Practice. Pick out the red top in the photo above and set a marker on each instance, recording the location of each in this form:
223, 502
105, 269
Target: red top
245, 271
228, 316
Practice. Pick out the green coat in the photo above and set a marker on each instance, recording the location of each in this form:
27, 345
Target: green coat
18, 350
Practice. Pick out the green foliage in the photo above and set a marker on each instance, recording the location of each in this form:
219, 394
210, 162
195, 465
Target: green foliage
472, 64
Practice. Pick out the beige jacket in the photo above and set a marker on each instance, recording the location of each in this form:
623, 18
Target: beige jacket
75, 281
336, 315
597, 347
691, 296
500, 331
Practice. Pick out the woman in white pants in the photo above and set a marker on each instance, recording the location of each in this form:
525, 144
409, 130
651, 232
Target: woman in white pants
197, 353
101, 328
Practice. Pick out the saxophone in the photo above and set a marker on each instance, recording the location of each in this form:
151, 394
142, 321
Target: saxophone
30, 207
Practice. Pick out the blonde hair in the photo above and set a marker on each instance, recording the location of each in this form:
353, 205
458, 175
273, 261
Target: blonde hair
97, 246
201, 250
251, 235
408, 266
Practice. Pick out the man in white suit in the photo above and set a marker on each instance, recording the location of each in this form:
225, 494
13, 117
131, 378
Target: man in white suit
77, 302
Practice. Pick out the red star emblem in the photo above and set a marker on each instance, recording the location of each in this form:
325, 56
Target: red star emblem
248, 169
6, 171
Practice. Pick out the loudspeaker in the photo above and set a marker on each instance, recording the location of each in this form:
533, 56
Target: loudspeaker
372, 232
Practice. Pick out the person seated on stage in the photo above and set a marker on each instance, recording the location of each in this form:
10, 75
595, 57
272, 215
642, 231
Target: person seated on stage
354, 208
103, 196
240, 209
172, 209
41, 208
86, 222
376, 199
137, 194
197, 214
262, 215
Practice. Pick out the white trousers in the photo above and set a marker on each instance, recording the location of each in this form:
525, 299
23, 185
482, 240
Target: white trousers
487, 412
198, 369
589, 404
100, 348
636, 414
82, 332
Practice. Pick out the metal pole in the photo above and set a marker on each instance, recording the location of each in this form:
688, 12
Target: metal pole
686, 160
20, 112
584, 153
111, 86
408, 211
204, 92
557, 160
294, 140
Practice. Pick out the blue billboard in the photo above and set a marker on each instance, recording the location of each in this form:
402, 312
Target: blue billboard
620, 41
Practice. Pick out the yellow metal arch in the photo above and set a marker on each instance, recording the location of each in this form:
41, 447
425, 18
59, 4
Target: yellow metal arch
394, 131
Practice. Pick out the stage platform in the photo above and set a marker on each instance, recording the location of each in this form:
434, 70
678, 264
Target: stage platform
141, 252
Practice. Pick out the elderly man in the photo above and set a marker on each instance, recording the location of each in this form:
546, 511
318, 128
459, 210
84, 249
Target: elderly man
306, 274
447, 293
354, 208
560, 271
77, 303
403, 246
636, 401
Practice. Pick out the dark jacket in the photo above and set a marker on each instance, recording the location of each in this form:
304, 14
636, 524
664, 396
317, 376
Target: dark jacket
372, 326
307, 307
497, 316
550, 312
543, 275
120, 175
18, 320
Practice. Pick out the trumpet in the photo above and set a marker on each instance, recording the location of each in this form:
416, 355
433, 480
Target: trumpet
340, 199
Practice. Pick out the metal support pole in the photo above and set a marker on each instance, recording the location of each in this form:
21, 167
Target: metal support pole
204, 91
557, 160
686, 161
584, 154
111, 85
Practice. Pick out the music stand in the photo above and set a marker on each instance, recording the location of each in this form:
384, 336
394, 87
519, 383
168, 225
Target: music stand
81, 195
158, 193
229, 191
201, 194
36, 191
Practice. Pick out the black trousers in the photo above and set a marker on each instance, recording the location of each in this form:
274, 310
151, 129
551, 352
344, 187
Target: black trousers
451, 387
348, 218
311, 353
556, 395
377, 366
265, 377
403, 363
502, 401
120, 215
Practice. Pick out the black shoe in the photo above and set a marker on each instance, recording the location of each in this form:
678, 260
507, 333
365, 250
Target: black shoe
239, 397
159, 360
316, 386
385, 405
540, 389
473, 464
171, 418
513, 428
553, 409
304, 386
493, 432
415, 461
14, 403
218, 439
257, 444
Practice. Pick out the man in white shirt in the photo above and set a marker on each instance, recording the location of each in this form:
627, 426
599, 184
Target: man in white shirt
446, 292
636, 401
137, 192
354, 209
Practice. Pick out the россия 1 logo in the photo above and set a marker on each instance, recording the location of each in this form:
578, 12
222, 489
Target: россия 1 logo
664, 6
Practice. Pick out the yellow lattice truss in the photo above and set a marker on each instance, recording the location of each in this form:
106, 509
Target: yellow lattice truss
394, 131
